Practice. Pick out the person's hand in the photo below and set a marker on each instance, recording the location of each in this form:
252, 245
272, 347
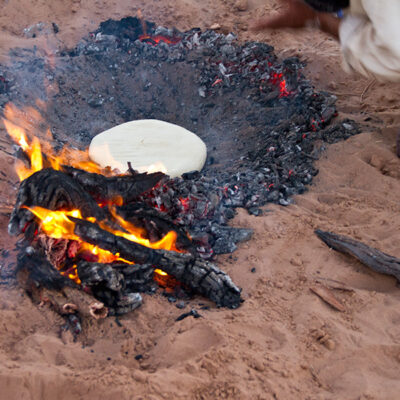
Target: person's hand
296, 15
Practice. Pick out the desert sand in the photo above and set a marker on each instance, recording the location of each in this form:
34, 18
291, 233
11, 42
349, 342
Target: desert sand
284, 342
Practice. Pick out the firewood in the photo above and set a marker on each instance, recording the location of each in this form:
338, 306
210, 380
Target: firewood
369, 256
46, 285
155, 223
94, 274
53, 190
86, 305
199, 275
102, 188
326, 294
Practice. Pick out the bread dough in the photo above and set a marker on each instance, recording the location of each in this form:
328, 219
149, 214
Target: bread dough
149, 145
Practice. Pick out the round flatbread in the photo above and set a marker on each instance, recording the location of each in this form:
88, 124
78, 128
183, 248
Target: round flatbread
149, 145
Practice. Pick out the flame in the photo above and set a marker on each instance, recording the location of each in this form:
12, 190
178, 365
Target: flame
56, 224
137, 235
17, 134
156, 39
279, 79
21, 126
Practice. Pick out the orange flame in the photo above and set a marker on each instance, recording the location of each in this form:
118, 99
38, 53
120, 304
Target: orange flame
56, 224
156, 39
21, 126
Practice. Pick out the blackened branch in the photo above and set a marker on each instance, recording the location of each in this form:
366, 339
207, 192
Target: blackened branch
201, 276
371, 257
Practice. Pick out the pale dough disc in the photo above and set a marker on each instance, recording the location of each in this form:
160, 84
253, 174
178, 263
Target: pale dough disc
149, 145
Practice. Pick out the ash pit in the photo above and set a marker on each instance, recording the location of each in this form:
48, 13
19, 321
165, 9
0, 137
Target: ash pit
262, 121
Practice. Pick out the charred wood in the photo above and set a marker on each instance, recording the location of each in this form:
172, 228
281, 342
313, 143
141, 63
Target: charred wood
126, 302
103, 188
102, 275
156, 224
36, 268
201, 276
138, 278
369, 256
53, 190
46, 285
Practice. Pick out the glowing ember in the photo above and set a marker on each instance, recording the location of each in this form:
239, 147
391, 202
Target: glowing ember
279, 79
155, 40
56, 224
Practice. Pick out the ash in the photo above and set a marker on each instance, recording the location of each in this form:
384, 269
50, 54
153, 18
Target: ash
262, 121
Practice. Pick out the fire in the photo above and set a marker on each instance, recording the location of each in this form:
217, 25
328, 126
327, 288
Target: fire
20, 125
279, 79
137, 235
156, 39
56, 224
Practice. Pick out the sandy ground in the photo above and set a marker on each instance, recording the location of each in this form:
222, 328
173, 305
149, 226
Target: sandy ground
283, 342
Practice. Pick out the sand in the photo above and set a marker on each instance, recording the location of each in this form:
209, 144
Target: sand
284, 342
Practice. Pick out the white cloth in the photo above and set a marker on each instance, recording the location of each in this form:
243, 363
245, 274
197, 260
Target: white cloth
370, 38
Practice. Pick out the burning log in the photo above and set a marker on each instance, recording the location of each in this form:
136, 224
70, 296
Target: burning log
201, 276
113, 282
93, 274
127, 187
155, 223
46, 285
53, 190
373, 258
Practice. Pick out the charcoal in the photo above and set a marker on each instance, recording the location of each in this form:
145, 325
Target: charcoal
224, 246
138, 278
236, 235
192, 313
74, 324
180, 304
255, 211
94, 274
126, 303
40, 270
203, 277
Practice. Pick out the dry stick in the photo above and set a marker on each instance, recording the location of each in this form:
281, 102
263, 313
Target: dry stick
326, 294
333, 284
373, 258
202, 276
369, 85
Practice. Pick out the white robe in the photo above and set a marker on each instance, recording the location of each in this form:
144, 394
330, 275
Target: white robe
370, 38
